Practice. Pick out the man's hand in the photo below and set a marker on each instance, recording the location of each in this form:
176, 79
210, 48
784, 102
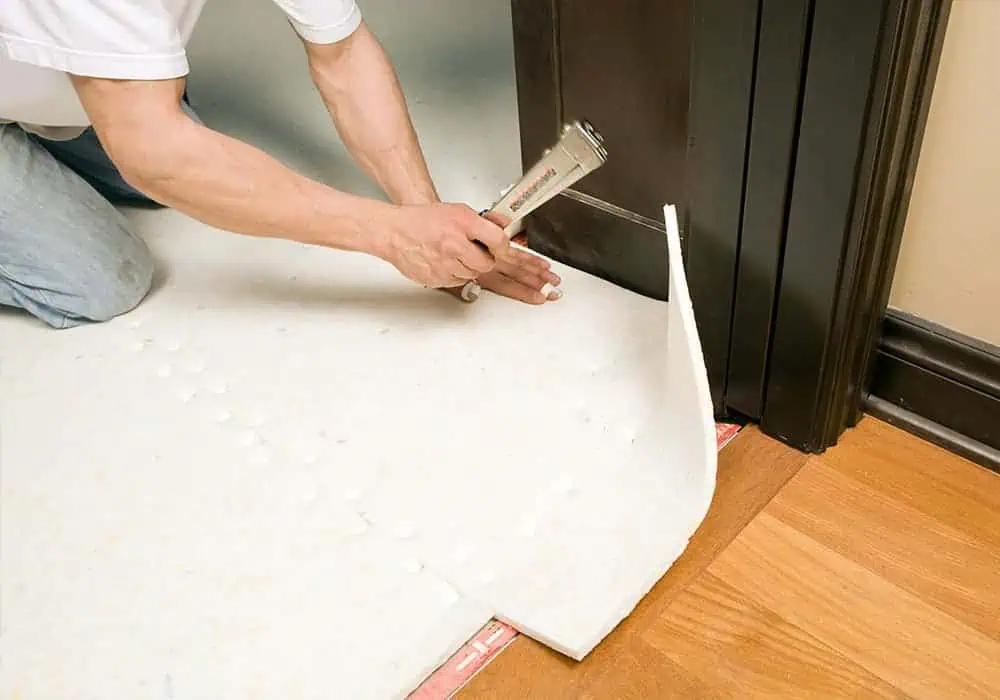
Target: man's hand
522, 276
435, 244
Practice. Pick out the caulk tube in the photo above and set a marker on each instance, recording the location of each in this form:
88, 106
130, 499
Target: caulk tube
578, 152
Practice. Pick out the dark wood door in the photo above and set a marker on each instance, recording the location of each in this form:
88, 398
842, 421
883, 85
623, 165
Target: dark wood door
674, 118
624, 67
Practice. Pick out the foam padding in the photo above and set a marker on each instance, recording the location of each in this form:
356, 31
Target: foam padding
291, 473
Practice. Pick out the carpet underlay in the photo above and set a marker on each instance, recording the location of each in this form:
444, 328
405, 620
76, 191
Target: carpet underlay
291, 473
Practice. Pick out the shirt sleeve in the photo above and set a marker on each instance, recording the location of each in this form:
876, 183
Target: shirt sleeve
122, 39
322, 21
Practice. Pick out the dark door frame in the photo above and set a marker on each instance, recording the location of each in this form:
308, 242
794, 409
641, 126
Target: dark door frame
804, 124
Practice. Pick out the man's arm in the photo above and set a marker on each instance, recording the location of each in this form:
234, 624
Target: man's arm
214, 178
361, 91
231, 185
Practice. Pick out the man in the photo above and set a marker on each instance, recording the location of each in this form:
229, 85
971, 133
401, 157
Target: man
92, 113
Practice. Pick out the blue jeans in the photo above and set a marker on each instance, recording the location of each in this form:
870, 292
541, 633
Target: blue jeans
67, 256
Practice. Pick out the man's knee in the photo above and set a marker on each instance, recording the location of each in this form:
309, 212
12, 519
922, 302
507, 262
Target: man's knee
126, 285
111, 286
87, 291
66, 254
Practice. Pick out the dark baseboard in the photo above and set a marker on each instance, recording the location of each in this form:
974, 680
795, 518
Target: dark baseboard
940, 385
603, 240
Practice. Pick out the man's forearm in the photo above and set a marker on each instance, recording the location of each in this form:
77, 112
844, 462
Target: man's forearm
233, 186
217, 179
362, 93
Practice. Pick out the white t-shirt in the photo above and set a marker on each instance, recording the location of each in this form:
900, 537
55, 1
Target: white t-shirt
43, 40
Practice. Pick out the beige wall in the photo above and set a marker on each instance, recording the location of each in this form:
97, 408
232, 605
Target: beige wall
949, 265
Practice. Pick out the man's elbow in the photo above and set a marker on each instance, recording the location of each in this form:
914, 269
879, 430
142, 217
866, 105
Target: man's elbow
140, 124
146, 156
327, 62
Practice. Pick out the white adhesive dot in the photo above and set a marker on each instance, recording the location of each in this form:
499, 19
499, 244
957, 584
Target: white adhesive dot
138, 346
307, 489
449, 594
173, 346
411, 565
463, 553
353, 494
405, 530
565, 486
248, 438
529, 528
186, 394
316, 519
163, 371
255, 420
303, 450
223, 416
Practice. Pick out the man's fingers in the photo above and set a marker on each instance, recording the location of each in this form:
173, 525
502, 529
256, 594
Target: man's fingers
490, 235
459, 271
477, 258
501, 221
529, 258
533, 264
535, 276
508, 287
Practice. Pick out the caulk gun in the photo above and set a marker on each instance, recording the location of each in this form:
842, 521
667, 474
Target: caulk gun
578, 152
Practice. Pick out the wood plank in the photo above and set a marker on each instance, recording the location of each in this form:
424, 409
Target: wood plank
752, 469
887, 630
741, 649
923, 555
644, 673
922, 476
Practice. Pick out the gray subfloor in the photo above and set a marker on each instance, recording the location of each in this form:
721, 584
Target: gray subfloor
455, 61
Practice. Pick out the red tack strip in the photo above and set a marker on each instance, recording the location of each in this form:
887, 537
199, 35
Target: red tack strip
466, 663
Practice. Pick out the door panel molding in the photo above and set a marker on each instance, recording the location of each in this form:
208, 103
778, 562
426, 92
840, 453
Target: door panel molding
870, 75
777, 105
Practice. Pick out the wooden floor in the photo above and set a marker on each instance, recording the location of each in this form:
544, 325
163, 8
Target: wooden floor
870, 571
